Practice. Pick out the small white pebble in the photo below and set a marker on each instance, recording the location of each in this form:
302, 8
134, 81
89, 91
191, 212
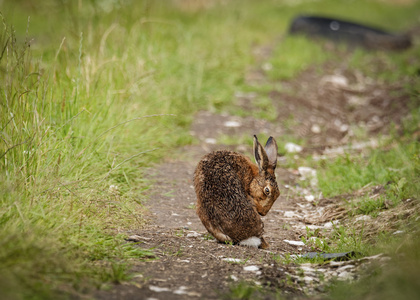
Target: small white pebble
193, 234
232, 124
158, 289
316, 128
294, 243
251, 268
309, 198
344, 275
308, 279
293, 148
340, 269
363, 218
289, 214
267, 66
234, 260
210, 141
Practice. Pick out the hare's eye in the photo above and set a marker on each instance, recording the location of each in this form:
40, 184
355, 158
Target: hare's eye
267, 190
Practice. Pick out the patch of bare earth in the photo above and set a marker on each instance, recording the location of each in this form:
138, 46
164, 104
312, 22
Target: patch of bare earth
327, 111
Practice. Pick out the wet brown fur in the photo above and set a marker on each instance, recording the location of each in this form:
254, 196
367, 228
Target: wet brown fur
230, 193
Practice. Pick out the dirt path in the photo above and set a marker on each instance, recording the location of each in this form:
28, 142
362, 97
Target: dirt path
191, 264
327, 112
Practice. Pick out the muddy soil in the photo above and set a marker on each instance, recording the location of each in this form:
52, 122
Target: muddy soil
329, 112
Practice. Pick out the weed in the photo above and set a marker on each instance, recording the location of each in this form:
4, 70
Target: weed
169, 194
174, 252
286, 226
179, 252
315, 240
116, 273
192, 206
179, 233
208, 237
276, 257
242, 290
230, 243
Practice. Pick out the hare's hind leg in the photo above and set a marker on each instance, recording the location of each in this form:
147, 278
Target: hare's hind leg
264, 244
214, 230
218, 234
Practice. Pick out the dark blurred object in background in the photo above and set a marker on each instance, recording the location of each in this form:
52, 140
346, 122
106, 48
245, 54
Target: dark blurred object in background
351, 33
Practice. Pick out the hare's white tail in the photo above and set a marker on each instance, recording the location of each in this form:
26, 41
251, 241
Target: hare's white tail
253, 241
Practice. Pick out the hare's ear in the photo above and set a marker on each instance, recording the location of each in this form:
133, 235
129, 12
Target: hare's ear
271, 151
260, 155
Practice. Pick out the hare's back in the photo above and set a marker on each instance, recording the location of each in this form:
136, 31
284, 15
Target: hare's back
218, 180
221, 169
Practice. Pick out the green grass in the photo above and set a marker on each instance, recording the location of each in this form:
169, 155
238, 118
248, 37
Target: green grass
398, 169
398, 280
286, 65
371, 206
247, 290
242, 290
93, 92
395, 167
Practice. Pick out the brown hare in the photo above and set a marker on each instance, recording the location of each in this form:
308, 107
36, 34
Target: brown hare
232, 193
